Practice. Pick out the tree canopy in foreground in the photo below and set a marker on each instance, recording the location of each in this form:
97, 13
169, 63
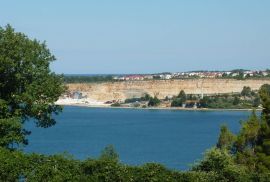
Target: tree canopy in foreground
28, 88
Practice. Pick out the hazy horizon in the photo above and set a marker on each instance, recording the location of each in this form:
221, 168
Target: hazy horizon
124, 37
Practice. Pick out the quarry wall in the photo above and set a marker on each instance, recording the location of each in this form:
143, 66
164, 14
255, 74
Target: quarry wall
162, 88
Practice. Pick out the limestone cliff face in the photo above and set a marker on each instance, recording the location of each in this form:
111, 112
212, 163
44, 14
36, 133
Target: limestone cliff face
162, 88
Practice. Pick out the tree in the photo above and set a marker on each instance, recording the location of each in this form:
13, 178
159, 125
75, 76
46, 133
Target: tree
263, 144
182, 95
204, 102
256, 102
28, 88
236, 100
246, 92
146, 97
221, 162
252, 145
153, 101
11, 132
177, 102
109, 153
226, 138
264, 93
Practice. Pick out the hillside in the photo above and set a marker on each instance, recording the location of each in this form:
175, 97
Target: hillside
162, 88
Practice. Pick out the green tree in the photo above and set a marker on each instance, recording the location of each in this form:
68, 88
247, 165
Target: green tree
221, 162
11, 132
252, 145
28, 88
256, 102
182, 95
154, 101
264, 93
244, 146
263, 144
246, 92
226, 138
109, 153
146, 97
204, 102
177, 102
236, 100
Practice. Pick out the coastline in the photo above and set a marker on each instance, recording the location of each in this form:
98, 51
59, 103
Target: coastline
156, 108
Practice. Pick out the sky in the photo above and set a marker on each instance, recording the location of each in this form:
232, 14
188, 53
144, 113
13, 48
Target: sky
146, 36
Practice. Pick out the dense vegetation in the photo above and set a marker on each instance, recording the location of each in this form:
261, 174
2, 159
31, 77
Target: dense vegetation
146, 97
28, 89
151, 101
87, 78
247, 99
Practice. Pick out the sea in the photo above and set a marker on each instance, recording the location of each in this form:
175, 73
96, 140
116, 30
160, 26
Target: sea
174, 138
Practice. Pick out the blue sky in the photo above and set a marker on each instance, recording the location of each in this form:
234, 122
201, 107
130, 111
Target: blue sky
146, 36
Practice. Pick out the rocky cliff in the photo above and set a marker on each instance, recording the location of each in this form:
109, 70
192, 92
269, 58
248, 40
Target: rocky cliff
162, 88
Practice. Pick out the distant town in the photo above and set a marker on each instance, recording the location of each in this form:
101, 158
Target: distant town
237, 74
138, 96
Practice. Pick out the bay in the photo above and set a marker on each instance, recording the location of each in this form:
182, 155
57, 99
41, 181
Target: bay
174, 138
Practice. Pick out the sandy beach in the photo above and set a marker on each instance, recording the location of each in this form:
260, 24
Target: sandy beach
81, 102
98, 104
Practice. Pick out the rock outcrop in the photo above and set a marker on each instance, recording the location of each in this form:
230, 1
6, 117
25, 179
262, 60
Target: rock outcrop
162, 88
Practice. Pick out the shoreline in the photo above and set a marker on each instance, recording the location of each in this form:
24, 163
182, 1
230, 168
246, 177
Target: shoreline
155, 108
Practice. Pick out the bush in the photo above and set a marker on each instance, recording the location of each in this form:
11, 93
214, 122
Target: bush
116, 104
177, 103
153, 101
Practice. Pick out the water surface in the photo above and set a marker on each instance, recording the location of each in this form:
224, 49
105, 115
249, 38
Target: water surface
171, 137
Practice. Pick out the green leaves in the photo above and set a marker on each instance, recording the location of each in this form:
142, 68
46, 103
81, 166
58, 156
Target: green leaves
153, 101
109, 153
251, 147
226, 138
221, 162
11, 132
28, 88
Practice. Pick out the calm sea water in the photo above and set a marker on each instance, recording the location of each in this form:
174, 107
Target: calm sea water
173, 138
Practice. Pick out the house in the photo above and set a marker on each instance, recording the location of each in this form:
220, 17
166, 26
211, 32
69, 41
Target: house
148, 77
264, 73
134, 77
166, 76
77, 95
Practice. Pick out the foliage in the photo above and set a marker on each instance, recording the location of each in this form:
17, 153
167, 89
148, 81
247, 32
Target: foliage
11, 132
145, 97
221, 162
153, 101
251, 147
132, 100
87, 79
236, 100
256, 102
263, 141
179, 100
226, 138
182, 95
246, 91
116, 104
233, 101
28, 89
109, 153
16, 165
